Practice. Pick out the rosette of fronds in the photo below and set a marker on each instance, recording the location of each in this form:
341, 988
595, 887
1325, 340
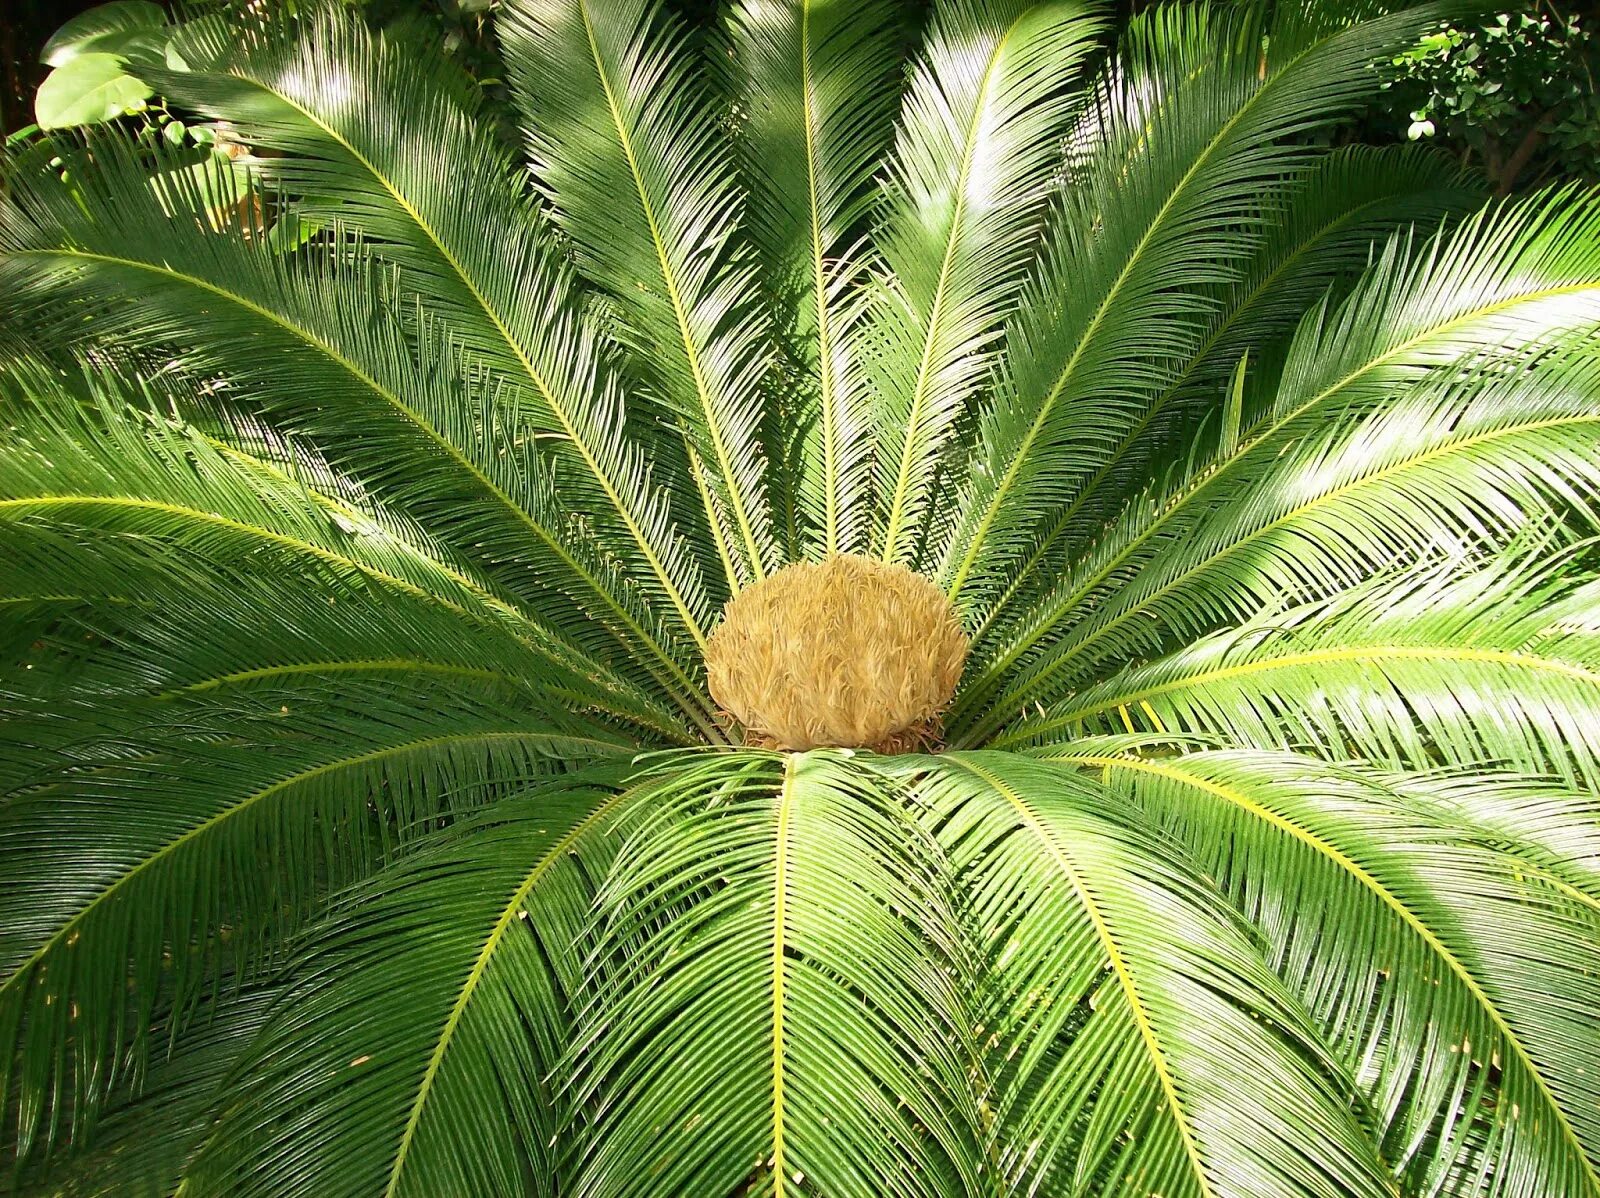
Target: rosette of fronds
892, 604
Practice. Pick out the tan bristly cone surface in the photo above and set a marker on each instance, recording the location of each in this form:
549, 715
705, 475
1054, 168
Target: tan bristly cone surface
849, 651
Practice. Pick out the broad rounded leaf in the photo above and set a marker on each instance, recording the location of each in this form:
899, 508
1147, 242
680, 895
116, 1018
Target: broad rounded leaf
88, 90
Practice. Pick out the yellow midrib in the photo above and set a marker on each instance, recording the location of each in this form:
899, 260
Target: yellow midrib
1066, 652
1108, 942
780, 905
1373, 653
1389, 899
232, 810
830, 431
1167, 393
1244, 448
919, 391
686, 701
515, 346
713, 425
480, 966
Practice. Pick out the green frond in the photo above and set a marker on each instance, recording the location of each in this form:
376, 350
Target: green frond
386, 138
622, 127
142, 1144
141, 520
1495, 666
193, 836
774, 1004
1321, 233
333, 365
1195, 141
1138, 1041
816, 84
957, 225
1364, 414
1455, 982
423, 1017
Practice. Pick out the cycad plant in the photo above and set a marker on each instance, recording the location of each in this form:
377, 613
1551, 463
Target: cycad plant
892, 604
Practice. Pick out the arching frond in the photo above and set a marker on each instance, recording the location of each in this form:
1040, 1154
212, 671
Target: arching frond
1185, 162
141, 1145
332, 364
423, 1018
1139, 1042
815, 84
621, 124
775, 1010
963, 198
1455, 981
385, 137
142, 519
1499, 666
1324, 229
1443, 338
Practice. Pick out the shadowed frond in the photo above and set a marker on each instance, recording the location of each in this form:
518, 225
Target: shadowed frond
424, 1016
138, 517
142, 1145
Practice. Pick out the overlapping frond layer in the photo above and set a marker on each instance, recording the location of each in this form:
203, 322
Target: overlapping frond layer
195, 838
1448, 401
1316, 236
387, 138
1175, 177
143, 1143
1500, 666
1138, 1041
775, 1007
1457, 981
621, 123
450, 1090
815, 85
152, 532
330, 362
975, 161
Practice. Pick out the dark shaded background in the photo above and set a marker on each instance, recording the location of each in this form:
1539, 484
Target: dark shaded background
25, 26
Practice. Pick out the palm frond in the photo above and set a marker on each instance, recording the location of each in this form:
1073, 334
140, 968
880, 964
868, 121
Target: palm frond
113, 507
1456, 981
143, 1142
816, 84
1497, 666
774, 1005
1322, 233
1139, 1041
1196, 138
332, 365
423, 1017
1362, 414
386, 137
958, 221
621, 125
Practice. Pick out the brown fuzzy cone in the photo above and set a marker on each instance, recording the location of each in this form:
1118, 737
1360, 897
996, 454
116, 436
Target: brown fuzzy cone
849, 651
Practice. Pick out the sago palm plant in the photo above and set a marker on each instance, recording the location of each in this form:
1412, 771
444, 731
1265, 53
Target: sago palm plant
968, 609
